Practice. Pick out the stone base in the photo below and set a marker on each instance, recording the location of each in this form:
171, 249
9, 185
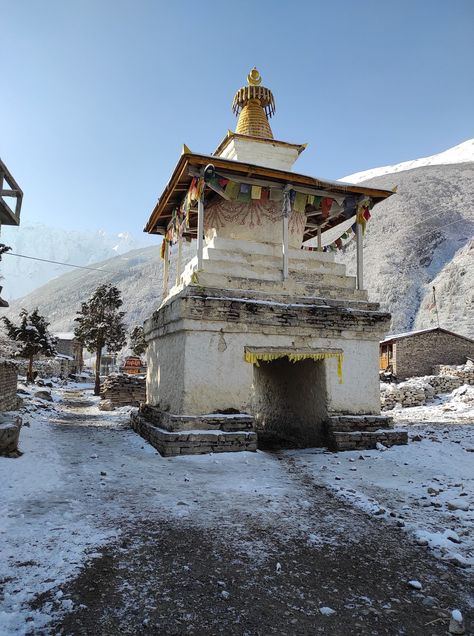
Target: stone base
359, 432
194, 435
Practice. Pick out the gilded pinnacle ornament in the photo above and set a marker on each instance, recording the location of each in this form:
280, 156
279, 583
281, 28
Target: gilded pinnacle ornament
254, 104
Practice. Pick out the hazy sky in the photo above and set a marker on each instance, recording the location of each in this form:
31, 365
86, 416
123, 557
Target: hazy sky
99, 95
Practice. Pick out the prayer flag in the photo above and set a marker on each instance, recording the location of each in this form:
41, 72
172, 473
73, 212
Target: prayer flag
256, 192
300, 202
232, 190
244, 192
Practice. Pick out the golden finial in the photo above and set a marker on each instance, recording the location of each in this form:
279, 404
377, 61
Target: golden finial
254, 105
254, 78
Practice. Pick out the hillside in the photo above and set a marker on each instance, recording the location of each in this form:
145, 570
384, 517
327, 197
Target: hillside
418, 238
79, 247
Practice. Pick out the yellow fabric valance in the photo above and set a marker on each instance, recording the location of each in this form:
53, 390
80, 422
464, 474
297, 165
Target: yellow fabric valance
254, 356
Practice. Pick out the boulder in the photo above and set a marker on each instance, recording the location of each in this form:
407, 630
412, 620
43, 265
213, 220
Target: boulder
44, 395
10, 427
106, 405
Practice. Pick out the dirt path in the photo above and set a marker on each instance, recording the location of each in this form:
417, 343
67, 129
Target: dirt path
227, 545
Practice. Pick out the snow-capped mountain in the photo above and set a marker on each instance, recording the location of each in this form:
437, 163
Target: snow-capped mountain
422, 237
22, 275
458, 154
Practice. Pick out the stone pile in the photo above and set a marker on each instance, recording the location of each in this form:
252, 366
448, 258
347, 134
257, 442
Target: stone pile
120, 389
465, 372
414, 392
419, 391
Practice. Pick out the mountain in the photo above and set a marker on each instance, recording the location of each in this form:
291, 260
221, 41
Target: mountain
420, 237
138, 274
22, 275
458, 154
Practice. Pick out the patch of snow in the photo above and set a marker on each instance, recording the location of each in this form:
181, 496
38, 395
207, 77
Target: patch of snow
462, 153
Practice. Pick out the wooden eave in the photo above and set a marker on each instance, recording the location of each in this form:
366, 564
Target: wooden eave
178, 185
9, 216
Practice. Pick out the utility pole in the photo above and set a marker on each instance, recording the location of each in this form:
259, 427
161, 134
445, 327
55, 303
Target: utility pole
435, 305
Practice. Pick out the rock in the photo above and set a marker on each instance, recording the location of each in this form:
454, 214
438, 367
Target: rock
456, 623
430, 601
416, 585
44, 395
106, 405
10, 427
456, 504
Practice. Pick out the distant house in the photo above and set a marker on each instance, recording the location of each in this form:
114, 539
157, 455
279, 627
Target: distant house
69, 348
416, 352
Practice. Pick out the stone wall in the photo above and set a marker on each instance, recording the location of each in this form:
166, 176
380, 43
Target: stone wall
124, 390
417, 355
418, 391
465, 372
8, 385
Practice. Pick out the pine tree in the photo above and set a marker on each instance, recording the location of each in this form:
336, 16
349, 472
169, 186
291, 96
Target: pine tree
33, 337
138, 344
100, 324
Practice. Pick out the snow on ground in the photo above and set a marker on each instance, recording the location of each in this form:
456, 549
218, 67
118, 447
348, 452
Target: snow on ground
78, 482
84, 474
427, 487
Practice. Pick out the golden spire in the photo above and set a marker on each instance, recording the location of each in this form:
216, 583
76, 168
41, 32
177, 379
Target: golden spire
254, 104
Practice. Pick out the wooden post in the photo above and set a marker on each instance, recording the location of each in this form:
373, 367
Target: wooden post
286, 213
179, 264
166, 270
360, 256
200, 231
320, 244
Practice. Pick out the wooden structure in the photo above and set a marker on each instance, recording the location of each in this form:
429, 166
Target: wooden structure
9, 189
416, 353
9, 211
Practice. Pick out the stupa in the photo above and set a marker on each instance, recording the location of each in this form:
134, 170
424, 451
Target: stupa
263, 338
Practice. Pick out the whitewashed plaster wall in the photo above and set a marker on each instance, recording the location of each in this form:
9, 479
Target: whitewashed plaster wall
210, 374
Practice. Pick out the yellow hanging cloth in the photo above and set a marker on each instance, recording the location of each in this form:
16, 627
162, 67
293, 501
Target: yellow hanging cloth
255, 357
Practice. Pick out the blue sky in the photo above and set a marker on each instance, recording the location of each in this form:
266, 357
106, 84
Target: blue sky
101, 94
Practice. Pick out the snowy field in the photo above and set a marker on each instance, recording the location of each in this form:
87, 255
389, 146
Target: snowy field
83, 474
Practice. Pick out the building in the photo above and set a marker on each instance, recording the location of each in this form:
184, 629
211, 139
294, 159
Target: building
70, 350
415, 353
258, 335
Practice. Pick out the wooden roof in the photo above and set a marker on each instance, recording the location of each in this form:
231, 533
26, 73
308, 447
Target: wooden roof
190, 164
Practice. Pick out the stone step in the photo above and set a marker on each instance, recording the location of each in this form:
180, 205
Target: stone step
269, 273
345, 441
313, 265
193, 442
290, 287
246, 247
208, 422
355, 423
299, 300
